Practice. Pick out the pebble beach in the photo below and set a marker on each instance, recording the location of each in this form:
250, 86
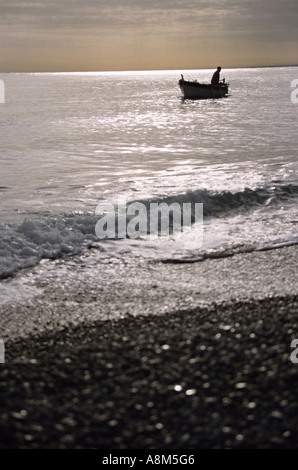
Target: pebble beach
203, 367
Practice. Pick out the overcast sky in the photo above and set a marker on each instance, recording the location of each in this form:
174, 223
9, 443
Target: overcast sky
83, 35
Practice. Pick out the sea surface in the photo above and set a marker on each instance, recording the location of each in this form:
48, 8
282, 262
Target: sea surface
73, 141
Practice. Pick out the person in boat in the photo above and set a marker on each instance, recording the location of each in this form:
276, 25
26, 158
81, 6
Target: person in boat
215, 78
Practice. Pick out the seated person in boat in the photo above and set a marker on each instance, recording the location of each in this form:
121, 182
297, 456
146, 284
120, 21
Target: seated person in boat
215, 78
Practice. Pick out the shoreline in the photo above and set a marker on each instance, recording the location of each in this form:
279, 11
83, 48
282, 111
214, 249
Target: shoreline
82, 290
153, 356
215, 377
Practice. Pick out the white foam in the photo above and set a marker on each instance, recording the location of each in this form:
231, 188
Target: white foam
45, 238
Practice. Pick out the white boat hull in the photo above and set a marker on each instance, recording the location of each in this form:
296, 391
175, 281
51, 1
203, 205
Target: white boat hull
195, 90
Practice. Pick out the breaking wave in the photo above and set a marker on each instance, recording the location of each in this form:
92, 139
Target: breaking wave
226, 202
50, 236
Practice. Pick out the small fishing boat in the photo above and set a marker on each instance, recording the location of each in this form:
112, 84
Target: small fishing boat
196, 90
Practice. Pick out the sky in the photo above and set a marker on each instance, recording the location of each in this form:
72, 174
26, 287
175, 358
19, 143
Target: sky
97, 35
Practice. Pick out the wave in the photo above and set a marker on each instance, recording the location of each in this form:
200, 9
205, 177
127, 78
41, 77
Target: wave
51, 236
225, 202
48, 237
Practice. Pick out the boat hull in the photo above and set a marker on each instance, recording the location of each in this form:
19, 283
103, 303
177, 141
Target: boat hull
195, 90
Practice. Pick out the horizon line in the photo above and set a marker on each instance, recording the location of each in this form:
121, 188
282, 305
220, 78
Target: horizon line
154, 70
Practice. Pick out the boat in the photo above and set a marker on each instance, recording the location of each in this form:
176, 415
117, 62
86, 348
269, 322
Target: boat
196, 90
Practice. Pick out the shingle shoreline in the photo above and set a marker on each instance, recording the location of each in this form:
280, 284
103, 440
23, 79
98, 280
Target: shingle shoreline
211, 377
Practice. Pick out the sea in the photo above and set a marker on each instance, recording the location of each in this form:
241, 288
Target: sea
73, 142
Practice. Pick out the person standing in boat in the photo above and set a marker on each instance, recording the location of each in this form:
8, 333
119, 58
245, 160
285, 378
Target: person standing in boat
215, 78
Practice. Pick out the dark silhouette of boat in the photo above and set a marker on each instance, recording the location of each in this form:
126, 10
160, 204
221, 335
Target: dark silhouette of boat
196, 90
